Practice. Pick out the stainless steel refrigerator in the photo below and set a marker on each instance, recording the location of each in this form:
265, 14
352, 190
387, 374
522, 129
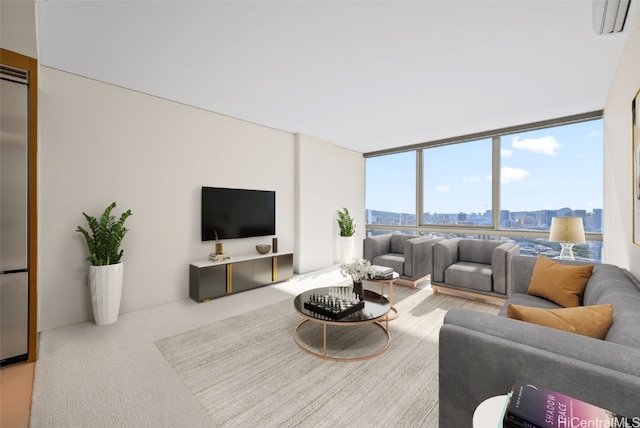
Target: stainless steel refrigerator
14, 267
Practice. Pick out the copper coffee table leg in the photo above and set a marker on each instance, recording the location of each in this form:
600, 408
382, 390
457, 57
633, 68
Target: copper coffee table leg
324, 339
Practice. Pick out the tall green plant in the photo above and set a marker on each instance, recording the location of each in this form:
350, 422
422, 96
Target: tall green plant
345, 223
105, 238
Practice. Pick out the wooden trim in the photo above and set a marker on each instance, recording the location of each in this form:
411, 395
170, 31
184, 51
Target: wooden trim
14, 59
22, 62
436, 289
410, 283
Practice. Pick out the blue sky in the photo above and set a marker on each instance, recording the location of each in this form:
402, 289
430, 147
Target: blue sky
550, 168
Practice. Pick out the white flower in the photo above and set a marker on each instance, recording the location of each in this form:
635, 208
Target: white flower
358, 270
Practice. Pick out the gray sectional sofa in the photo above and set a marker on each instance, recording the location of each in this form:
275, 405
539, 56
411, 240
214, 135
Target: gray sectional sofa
482, 355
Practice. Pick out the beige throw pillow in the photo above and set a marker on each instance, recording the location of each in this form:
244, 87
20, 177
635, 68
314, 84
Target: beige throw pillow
593, 321
562, 284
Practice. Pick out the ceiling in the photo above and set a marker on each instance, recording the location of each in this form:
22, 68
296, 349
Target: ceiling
365, 75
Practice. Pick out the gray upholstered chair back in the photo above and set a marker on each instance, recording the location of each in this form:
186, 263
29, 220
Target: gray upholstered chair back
397, 242
476, 250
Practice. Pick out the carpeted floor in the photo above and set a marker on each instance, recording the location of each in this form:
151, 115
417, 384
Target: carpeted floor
248, 371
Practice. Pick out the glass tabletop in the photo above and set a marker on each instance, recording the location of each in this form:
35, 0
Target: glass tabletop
375, 305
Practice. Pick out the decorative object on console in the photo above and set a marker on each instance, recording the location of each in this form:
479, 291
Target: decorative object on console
106, 270
562, 284
219, 249
567, 231
347, 230
218, 257
263, 249
274, 245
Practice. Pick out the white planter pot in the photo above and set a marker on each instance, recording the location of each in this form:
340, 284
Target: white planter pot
105, 285
346, 249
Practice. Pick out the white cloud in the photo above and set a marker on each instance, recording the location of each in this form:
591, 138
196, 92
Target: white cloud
508, 174
506, 153
473, 179
544, 145
442, 188
593, 134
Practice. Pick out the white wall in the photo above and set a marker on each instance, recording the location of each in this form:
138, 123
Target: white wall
18, 27
101, 143
618, 178
328, 178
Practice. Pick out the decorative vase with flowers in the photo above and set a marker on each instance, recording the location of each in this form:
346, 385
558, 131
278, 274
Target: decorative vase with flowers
358, 270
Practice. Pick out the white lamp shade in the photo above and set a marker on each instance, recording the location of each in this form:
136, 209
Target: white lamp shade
567, 229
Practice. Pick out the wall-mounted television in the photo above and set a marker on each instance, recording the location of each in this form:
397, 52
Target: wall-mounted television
237, 213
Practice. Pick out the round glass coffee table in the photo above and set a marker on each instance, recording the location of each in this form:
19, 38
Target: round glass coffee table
375, 311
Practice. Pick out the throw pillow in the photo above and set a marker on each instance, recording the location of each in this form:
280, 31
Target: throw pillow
593, 321
562, 284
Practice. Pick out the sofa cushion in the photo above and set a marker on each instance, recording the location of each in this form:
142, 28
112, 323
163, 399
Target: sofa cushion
593, 321
475, 276
392, 260
562, 284
528, 300
476, 250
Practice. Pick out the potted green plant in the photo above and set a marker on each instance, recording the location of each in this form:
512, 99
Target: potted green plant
347, 230
106, 269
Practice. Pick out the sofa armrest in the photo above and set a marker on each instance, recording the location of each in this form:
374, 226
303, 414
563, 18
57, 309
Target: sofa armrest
482, 355
418, 257
500, 265
445, 253
376, 245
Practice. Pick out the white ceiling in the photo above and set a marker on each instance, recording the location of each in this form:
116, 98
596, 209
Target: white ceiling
366, 75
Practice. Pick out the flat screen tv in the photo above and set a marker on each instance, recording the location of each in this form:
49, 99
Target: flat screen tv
237, 213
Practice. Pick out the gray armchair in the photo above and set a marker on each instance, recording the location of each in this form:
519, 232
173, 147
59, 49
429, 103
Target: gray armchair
409, 255
473, 267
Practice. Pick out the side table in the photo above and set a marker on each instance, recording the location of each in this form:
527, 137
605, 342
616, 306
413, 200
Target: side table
389, 282
490, 413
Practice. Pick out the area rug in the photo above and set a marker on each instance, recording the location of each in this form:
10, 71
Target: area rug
247, 370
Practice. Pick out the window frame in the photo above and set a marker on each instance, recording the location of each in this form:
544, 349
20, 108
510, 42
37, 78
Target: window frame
494, 230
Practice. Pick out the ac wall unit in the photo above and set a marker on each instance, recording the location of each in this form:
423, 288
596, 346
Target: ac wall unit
609, 15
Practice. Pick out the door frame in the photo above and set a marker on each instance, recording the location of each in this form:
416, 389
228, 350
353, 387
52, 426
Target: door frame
30, 65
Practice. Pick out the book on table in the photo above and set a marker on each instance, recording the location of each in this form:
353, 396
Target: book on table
218, 257
382, 272
534, 406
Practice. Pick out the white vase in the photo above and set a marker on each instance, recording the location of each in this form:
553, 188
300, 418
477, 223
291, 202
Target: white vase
346, 249
105, 285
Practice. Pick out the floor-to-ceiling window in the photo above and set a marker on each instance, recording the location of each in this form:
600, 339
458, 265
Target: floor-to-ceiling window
456, 185
504, 184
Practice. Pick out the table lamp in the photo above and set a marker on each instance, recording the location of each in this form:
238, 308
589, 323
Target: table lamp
567, 231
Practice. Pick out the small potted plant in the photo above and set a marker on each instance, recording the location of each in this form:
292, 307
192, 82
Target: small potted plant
347, 230
106, 270
358, 270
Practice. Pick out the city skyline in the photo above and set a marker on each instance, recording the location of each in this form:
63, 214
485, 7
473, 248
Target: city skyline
523, 220
540, 169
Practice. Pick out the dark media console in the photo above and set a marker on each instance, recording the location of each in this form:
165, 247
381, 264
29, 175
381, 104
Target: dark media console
209, 279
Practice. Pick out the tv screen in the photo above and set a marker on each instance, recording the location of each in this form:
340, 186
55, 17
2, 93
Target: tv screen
237, 213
